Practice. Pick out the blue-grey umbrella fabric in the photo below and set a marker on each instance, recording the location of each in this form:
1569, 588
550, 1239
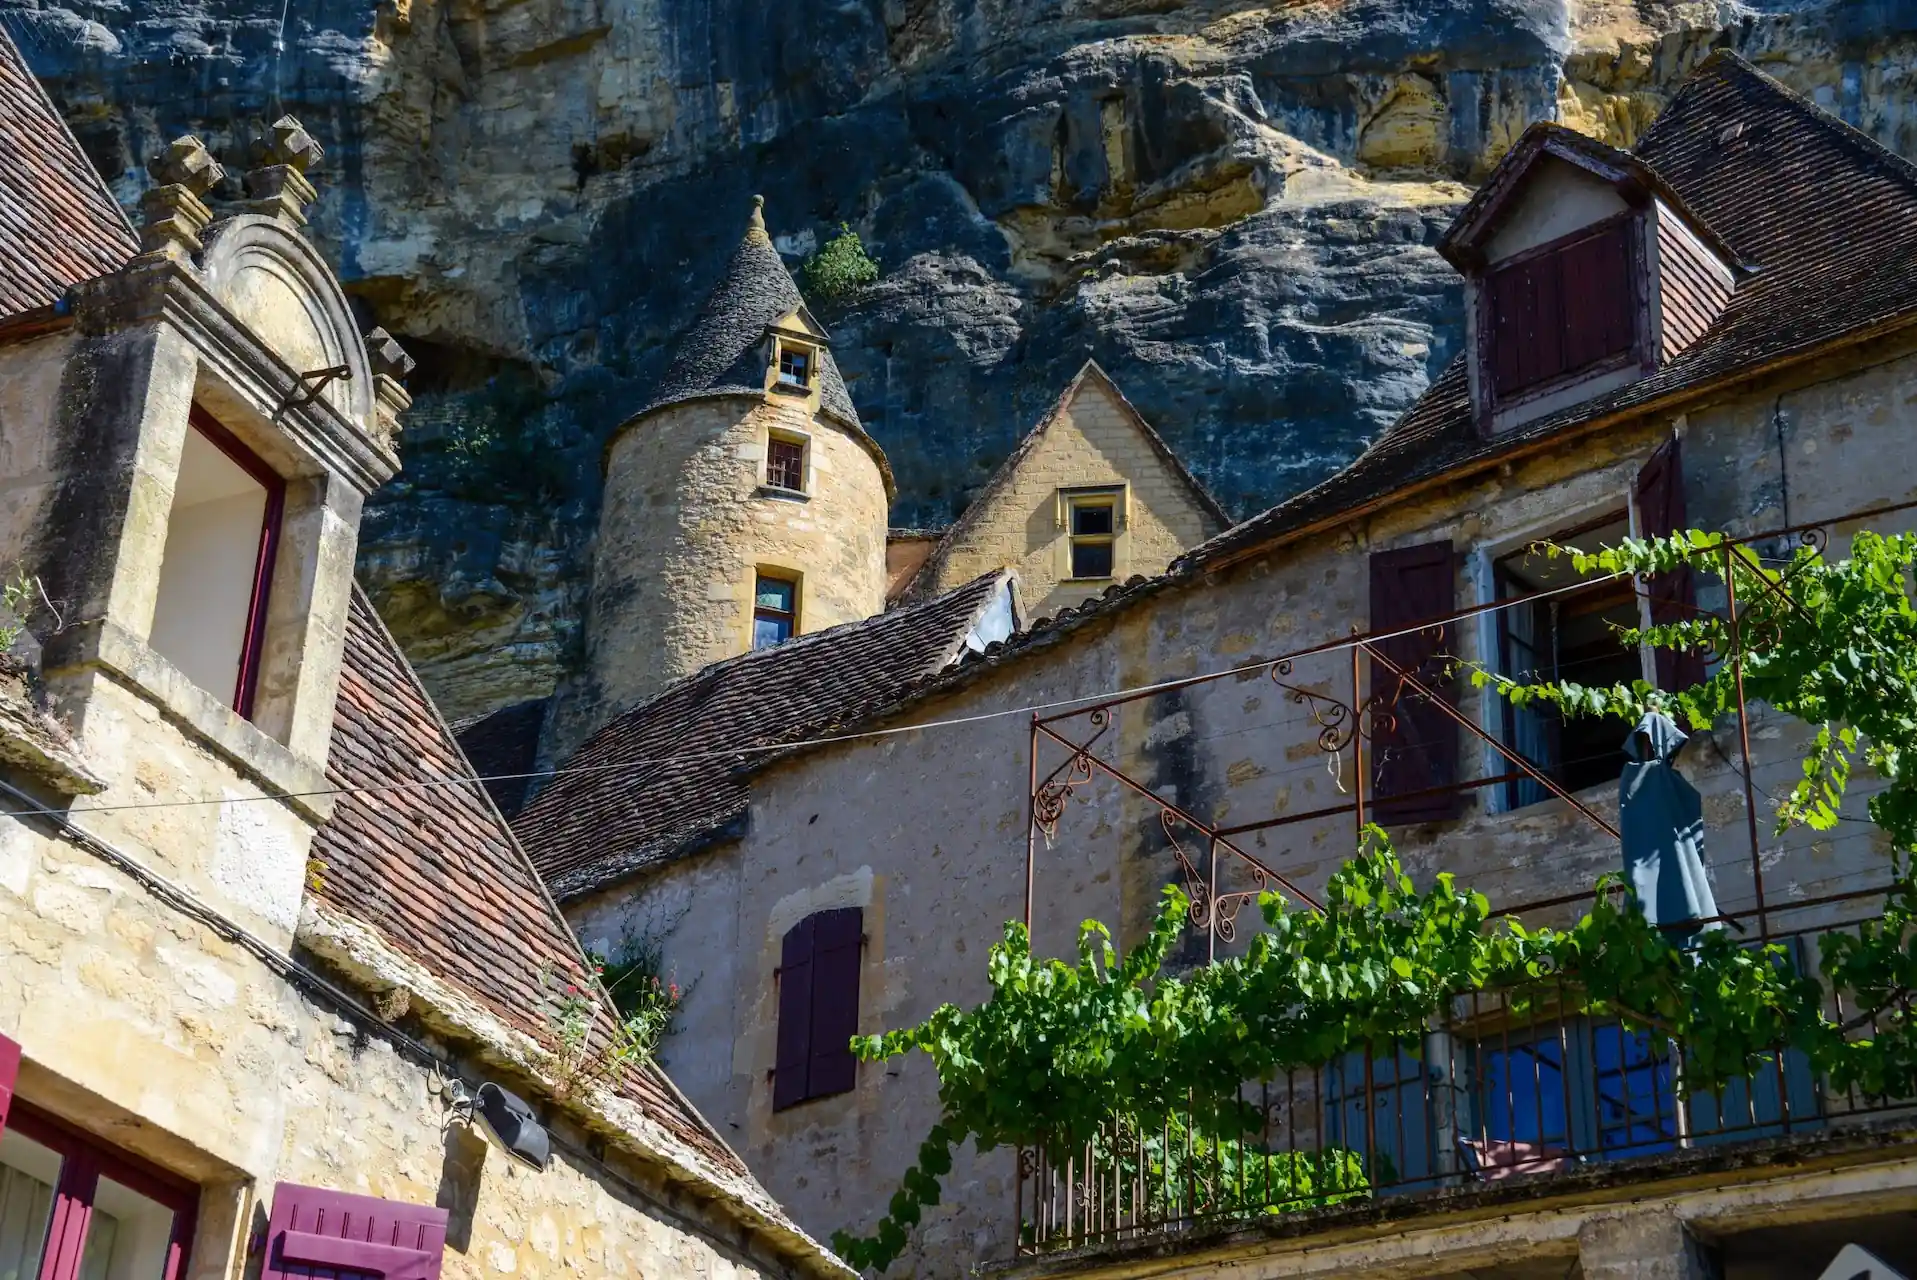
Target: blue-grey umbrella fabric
1661, 819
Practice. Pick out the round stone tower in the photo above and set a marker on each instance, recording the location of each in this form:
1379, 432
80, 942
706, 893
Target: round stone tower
744, 505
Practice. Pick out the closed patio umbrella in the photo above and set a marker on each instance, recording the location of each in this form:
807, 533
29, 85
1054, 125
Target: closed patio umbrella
1661, 819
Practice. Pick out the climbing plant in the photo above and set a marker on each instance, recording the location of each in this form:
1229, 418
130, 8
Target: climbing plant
1059, 1048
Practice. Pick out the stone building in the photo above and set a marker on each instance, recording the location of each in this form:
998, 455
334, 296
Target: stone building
1717, 329
270, 963
1090, 497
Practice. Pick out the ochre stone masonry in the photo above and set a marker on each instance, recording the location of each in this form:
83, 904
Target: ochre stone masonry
688, 522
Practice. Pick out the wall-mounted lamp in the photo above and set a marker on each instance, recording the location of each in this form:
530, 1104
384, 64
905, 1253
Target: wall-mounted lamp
506, 1120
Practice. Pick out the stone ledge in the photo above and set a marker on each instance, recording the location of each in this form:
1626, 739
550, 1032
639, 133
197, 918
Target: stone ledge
102, 646
34, 742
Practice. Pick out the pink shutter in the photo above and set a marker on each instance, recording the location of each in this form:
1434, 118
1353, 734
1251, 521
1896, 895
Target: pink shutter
9, 1074
1420, 750
315, 1232
792, 1070
1673, 596
837, 943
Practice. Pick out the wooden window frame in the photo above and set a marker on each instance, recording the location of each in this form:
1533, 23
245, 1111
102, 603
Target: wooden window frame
811, 354
794, 441
761, 612
1087, 499
84, 1160
253, 643
1642, 349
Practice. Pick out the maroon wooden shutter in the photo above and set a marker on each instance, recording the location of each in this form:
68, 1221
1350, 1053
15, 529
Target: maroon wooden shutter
1599, 296
1673, 595
1562, 309
835, 1000
792, 1070
1420, 750
9, 1075
315, 1232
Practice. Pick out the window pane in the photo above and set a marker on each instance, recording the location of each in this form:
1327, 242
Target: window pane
768, 631
129, 1236
1636, 1097
785, 464
28, 1174
793, 366
1091, 559
1092, 518
1523, 1092
775, 594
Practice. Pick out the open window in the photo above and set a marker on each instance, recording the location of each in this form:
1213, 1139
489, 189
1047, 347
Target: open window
209, 619
798, 362
1571, 635
72, 1208
775, 611
1091, 526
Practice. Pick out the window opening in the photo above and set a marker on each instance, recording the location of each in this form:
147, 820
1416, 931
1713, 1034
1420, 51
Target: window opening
216, 572
774, 611
795, 366
1574, 637
1379, 1111
74, 1209
1094, 524
785, 464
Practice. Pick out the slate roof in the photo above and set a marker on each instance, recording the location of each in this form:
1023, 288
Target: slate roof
661, 780
58, 222
427, 861
503, 746
721, 351
1823, 219
975, 511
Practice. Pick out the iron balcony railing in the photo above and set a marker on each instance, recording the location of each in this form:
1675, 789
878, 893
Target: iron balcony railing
1505, 1084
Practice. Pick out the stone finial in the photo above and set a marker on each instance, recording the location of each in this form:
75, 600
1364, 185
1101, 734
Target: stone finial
756, 221
174, 213
390, 364
277, 183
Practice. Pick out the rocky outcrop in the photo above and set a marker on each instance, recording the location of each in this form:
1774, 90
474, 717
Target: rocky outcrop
1229, 203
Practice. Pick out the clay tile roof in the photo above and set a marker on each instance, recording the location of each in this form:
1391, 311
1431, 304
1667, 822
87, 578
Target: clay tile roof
1825, 218
721, 352
434, 868
503, 746
661, 780
58, 222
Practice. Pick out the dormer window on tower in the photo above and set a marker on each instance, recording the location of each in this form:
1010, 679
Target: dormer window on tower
1584, 272
795, 364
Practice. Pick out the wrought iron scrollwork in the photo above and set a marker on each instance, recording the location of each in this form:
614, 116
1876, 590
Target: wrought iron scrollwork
1337, 724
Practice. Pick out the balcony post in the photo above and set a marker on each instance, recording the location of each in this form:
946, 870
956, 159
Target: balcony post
1646, 1245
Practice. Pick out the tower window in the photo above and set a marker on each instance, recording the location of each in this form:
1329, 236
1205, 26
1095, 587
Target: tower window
1094, 525
775, 611
216, 575
795, 366
785, 463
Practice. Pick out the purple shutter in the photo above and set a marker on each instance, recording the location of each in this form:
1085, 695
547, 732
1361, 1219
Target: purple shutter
9, 1075
1507, 295
837, 946
1600, 300
315, 1232
791, 1073
1420, 750
1673, 595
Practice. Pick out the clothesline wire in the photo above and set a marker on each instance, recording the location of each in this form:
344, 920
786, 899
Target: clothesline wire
731, 753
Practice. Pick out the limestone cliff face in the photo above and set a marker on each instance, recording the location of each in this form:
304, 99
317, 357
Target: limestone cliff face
1230, 204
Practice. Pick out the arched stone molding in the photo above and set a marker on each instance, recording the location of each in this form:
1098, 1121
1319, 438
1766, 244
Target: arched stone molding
276, 284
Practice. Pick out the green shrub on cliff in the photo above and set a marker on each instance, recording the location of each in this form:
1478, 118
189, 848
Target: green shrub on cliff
839, 269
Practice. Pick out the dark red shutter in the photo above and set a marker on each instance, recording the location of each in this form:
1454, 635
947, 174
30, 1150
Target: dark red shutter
9, 1075
1562, 310
1673, 595
315, 1232
1420, 750
792, 1070
837, 944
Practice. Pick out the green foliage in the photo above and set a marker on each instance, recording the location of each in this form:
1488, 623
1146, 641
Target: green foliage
1063, 1055
839, 269
17, 598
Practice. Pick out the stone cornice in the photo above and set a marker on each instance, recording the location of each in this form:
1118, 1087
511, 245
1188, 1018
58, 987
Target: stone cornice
154, 288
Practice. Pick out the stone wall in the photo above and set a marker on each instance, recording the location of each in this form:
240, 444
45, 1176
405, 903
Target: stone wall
151, 1029
1020, 524
939, 818
686, 526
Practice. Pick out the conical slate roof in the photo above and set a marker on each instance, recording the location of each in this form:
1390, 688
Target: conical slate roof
720, 352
